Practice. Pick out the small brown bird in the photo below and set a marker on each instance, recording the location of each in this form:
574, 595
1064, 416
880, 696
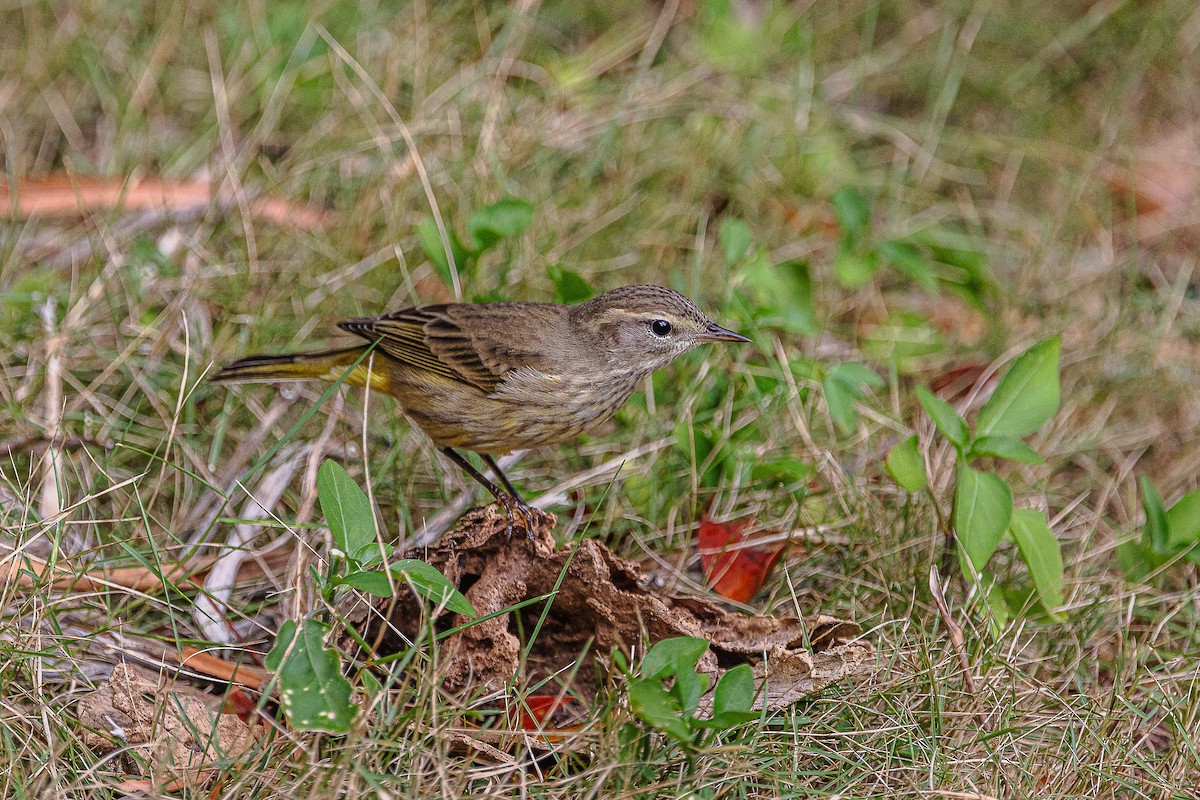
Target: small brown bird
496, 377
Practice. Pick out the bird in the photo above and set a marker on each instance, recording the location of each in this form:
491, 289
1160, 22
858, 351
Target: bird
496, 377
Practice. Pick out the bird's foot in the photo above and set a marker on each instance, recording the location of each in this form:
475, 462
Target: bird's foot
512, 507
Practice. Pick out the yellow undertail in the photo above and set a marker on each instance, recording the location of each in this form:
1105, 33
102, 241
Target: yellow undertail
327, 365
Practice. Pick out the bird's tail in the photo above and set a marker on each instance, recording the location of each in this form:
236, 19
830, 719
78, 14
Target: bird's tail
327, 365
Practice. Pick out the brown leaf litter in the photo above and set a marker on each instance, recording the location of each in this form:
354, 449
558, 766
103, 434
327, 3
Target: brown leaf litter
598, 602
176, 732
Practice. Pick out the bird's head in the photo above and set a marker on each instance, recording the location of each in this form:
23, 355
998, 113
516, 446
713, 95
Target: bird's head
647, 327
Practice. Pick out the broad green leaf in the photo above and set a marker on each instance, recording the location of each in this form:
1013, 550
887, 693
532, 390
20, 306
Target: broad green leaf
853, 212
839, 398
431, 244
997, 602
908, 259
1138, 560
673, 656
503, 219
372, 582
348, 512
426, 581
1041, 553
1156, 534
1183, 521
735, 690
735, 238
1027, 396
983, 506
689, 686
652, 704
569, 285
1005, 447
944, 417
314, 694
905, 465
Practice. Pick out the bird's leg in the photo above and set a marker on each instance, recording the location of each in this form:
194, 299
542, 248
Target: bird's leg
509, 499
527, 511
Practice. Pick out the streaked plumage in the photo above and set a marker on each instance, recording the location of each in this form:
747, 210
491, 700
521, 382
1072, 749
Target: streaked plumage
495, 377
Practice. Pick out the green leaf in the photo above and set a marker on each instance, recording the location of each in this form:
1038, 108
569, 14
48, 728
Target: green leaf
1138, 560
843, 385
1042, 554
735, 691
431, 244
348, 512
908, 259
853, 212
688, 688
1027, 396
427, 582
944, 417
1005, 447
569, 285
652, 704
1183, 521
673, 656
314, 694
905, 465
1156, 534
503, 219
735, 238
781, 293
372, 582
783, 470
983, 506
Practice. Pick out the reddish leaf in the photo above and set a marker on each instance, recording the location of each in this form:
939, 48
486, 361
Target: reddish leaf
734, 571
537, 709
239, 703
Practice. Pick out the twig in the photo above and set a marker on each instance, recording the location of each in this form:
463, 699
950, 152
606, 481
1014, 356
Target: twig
957, 642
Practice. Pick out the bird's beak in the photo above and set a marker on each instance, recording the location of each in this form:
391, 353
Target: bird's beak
716, 333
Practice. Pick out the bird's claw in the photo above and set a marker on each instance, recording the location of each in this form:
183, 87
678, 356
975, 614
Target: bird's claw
515, 504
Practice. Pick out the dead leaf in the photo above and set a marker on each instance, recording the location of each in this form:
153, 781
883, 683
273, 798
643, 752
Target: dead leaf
67, 196
599, 603
1163, 180
733, 569
176, 729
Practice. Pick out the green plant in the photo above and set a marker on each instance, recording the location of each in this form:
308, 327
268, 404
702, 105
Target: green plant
938, 257
982, 514
780, 294
455, 259
314, 693
667, 693
1168, 535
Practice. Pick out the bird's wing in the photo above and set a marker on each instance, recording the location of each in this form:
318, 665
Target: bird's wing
430, 338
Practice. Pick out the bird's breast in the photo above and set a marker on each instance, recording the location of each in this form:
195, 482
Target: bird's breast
553, 407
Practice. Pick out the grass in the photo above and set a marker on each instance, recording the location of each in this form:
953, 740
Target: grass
634, 130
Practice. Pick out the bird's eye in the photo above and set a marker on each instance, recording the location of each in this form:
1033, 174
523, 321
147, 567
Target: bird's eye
660, 327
